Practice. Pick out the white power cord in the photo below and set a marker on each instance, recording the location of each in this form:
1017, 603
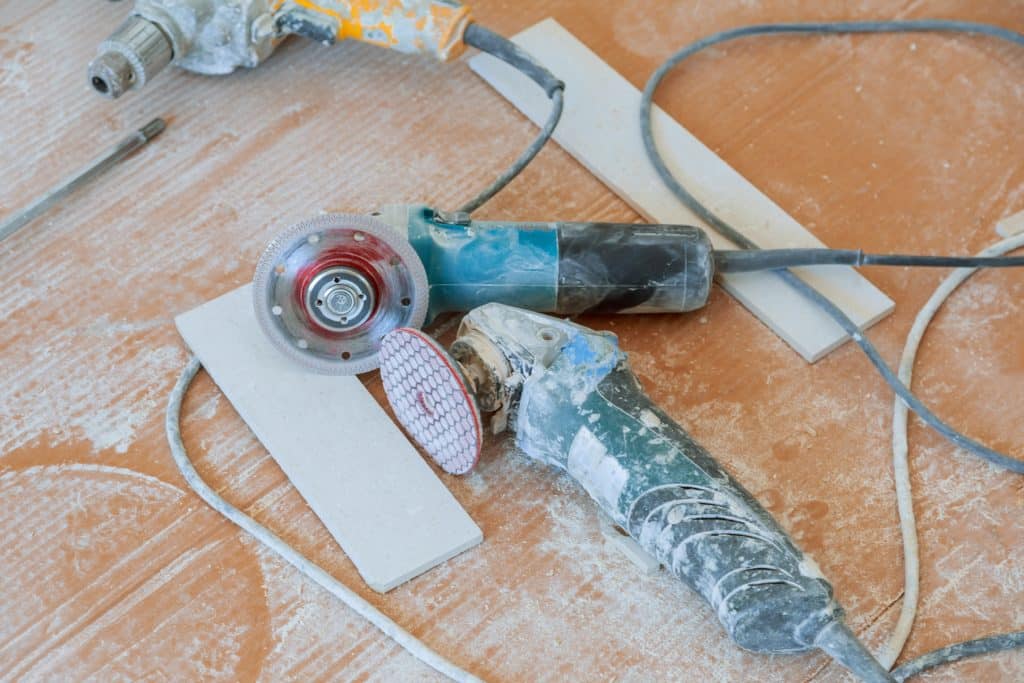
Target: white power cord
289, 554
904, 500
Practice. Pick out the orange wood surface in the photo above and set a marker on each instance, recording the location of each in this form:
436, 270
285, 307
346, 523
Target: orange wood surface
111, 569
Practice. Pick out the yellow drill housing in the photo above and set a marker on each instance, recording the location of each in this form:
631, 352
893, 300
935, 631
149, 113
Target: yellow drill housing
419, 26
218, 36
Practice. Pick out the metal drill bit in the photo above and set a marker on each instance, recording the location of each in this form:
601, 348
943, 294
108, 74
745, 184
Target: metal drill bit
109, 159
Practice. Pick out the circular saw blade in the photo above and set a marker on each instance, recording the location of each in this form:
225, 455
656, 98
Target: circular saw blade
327, 290
432, 400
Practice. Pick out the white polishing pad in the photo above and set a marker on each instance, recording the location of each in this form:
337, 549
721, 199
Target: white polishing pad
432, 399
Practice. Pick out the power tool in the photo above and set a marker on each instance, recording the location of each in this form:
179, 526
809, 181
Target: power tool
568, 395
218, 36
564, 391
327, 290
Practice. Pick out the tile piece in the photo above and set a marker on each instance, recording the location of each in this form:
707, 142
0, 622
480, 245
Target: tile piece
601, 129
373, 491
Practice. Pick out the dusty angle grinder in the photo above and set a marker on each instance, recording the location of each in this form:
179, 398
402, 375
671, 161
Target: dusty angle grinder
569, 397
327, 290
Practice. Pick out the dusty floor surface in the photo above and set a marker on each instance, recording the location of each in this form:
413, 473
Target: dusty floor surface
113, 570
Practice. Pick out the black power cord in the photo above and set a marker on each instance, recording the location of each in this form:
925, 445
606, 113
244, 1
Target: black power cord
953, 652
750, 260
504, 49
738, 238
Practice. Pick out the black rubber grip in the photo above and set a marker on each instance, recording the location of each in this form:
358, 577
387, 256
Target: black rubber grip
622, 267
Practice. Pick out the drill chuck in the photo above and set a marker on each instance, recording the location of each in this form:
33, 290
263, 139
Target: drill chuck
136, 52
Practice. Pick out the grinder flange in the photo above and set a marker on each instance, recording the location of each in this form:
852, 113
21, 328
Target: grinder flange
327, 290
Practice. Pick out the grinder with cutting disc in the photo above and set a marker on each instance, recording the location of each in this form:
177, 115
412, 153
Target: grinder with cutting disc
326, 291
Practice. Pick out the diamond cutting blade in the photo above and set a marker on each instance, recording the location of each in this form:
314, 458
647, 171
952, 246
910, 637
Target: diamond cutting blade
327, 290
432, 400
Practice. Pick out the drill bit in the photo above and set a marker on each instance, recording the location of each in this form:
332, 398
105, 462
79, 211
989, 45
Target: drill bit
109, 159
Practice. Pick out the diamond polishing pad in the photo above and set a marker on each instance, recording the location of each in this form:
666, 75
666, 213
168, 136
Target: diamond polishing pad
326, 291
432, 400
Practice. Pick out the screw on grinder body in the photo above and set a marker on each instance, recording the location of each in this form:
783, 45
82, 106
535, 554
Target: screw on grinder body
218, 36
569, 397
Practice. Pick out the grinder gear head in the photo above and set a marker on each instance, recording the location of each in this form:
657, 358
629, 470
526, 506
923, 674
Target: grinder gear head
327, 290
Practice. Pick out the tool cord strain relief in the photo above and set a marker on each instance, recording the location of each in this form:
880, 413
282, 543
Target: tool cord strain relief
839, 642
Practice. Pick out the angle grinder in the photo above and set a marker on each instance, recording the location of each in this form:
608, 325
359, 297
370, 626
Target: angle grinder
326, 291
568, 395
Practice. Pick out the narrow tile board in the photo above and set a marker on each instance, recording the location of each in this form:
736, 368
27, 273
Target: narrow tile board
601, 128
1011, 225
375, 494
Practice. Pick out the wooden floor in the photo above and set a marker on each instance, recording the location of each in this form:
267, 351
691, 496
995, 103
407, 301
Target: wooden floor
112, 570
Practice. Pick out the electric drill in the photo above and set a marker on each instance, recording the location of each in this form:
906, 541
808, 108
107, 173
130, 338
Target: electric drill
569, 397
218, 36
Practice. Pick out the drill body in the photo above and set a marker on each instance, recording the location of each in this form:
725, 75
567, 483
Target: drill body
570, 398
218, 36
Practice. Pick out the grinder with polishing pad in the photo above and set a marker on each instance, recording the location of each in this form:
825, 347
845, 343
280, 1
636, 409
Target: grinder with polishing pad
569, 397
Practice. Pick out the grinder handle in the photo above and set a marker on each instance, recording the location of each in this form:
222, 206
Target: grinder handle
413, 26
650, 476
563, 268
628, 268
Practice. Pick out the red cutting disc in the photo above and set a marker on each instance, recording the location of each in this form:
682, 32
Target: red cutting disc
432, 400
327, 290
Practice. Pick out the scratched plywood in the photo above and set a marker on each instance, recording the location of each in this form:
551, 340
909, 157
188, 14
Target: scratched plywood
112, 569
